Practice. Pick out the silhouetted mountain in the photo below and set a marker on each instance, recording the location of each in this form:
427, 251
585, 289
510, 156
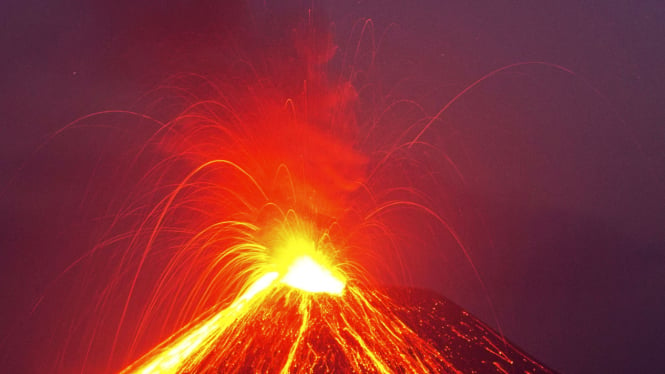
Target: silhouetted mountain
467, 343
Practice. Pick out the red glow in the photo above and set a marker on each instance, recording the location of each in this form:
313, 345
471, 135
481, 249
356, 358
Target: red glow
273, 187
257, 225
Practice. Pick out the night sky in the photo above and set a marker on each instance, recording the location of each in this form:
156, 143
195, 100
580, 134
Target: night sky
562, 206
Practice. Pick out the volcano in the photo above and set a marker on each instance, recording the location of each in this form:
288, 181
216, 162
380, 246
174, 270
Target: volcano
277, 328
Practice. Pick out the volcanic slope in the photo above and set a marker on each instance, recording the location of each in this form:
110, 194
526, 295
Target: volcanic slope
362, 330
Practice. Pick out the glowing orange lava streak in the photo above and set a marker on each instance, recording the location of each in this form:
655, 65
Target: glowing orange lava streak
304, 311
291, 309
180, 351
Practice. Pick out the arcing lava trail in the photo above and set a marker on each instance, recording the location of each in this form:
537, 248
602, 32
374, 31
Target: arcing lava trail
252, 235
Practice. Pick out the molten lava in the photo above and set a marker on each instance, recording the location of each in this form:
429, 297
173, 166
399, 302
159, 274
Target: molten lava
252, 234
290, 311
307, 275
275, 328
265, 278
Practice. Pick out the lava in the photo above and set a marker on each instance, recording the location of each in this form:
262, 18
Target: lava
299, 294
307, 275
308, 300
261, 232
252, 234
255, 243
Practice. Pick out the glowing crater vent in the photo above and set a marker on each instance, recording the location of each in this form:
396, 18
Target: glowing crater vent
308, 275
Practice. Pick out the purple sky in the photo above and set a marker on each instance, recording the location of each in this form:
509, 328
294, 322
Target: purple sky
563, 208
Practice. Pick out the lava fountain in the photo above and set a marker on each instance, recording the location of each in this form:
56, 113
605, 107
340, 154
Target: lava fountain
277, 187
252, 240
301, 317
